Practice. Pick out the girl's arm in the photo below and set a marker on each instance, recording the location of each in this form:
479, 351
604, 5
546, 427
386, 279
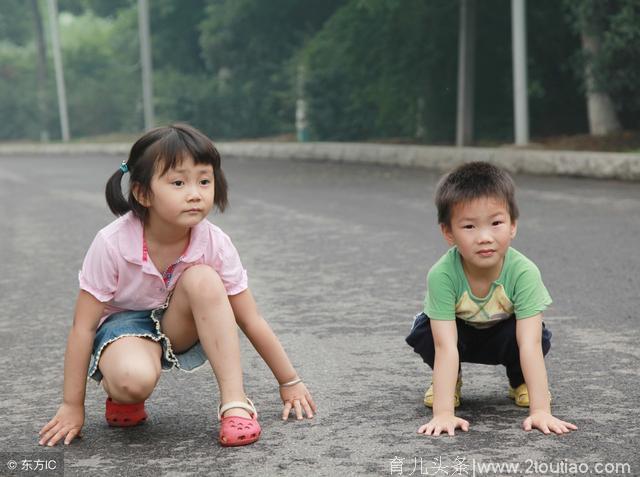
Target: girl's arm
268, 346
529, 336
69, 419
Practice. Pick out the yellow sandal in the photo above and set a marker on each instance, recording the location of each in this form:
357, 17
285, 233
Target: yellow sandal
521, 395
428, 396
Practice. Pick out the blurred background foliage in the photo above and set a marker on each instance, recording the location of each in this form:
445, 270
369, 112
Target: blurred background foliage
372, 69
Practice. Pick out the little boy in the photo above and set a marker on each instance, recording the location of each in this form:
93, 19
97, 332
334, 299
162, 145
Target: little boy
484, 302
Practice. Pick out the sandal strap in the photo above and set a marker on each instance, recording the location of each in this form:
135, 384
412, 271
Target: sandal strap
247, 406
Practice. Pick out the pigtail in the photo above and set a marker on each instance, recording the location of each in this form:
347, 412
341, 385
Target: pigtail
113, 192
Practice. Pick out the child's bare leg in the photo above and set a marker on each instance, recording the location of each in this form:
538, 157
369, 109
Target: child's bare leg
200, 309
131, 368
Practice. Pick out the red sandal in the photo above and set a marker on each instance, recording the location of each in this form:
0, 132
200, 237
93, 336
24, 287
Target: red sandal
236, 430
124, 415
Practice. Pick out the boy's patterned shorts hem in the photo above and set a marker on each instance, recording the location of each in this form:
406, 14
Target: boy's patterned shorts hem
146, 324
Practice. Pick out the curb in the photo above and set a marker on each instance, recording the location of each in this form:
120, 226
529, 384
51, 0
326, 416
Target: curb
598, 165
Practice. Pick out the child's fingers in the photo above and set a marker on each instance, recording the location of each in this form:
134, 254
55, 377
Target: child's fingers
464, 425
526, 425
48, 426
298, 408
555, 428
60, 435
544, 428
73, 433
573, 427
286, 410
56, 437
307, 409
311, 402
47, 435
561, 428
426, 429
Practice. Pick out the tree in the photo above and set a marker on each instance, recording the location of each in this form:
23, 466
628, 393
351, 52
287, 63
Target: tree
248, 46
609, 64
381, 68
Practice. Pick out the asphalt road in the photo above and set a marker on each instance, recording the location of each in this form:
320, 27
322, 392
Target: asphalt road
337, 256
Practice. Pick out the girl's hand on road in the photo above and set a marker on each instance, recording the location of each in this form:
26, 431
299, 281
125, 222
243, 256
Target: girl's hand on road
298, 398
67, 424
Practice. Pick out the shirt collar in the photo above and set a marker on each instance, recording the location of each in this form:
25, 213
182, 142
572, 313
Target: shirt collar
131, 241
197, 242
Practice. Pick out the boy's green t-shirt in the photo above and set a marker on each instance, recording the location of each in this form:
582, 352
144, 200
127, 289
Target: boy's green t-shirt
518, 291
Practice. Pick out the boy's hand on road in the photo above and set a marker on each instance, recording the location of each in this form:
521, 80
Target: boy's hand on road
66, 424
447, 423
547, 423
297, 398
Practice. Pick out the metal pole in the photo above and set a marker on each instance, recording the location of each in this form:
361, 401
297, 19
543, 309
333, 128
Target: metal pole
41, 49
57, 62
466, 73
145, 60
302, 132
520, 100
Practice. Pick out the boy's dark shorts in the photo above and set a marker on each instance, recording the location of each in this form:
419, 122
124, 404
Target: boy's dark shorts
494, 345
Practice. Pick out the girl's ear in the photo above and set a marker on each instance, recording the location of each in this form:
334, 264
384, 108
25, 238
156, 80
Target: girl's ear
446, 233
138, 195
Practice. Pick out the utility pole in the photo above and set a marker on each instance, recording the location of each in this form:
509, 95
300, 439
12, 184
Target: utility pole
57, 62
302, 131
145, 60
466, 73
519, 47
41, 49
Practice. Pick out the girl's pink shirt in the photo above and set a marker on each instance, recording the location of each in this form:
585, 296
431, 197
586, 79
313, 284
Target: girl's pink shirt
116, 271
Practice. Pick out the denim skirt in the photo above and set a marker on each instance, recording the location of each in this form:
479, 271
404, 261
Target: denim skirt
146, 324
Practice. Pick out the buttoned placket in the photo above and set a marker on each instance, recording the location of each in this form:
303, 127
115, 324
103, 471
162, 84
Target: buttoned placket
150, 268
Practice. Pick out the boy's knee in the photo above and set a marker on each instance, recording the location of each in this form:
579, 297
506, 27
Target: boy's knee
421, 338
546, 340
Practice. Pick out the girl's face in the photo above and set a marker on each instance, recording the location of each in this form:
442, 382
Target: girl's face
183, 196
482, 231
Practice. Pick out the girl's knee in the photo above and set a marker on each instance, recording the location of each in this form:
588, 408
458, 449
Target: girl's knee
202, 280
132, 383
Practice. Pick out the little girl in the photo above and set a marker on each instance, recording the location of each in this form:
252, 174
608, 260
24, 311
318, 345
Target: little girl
162, 287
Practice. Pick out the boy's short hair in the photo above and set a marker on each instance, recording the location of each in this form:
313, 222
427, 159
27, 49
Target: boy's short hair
471, 181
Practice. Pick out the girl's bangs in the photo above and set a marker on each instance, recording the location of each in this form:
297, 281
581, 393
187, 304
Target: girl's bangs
171, 150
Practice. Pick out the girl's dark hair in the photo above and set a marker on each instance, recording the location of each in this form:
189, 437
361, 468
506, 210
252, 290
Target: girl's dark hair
161, 149
471, 181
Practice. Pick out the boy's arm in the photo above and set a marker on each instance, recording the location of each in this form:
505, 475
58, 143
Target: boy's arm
445, 374
266, 343
69, 419
445, 366
529, 338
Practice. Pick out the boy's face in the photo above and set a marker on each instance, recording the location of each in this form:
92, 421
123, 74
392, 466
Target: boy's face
482, 231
